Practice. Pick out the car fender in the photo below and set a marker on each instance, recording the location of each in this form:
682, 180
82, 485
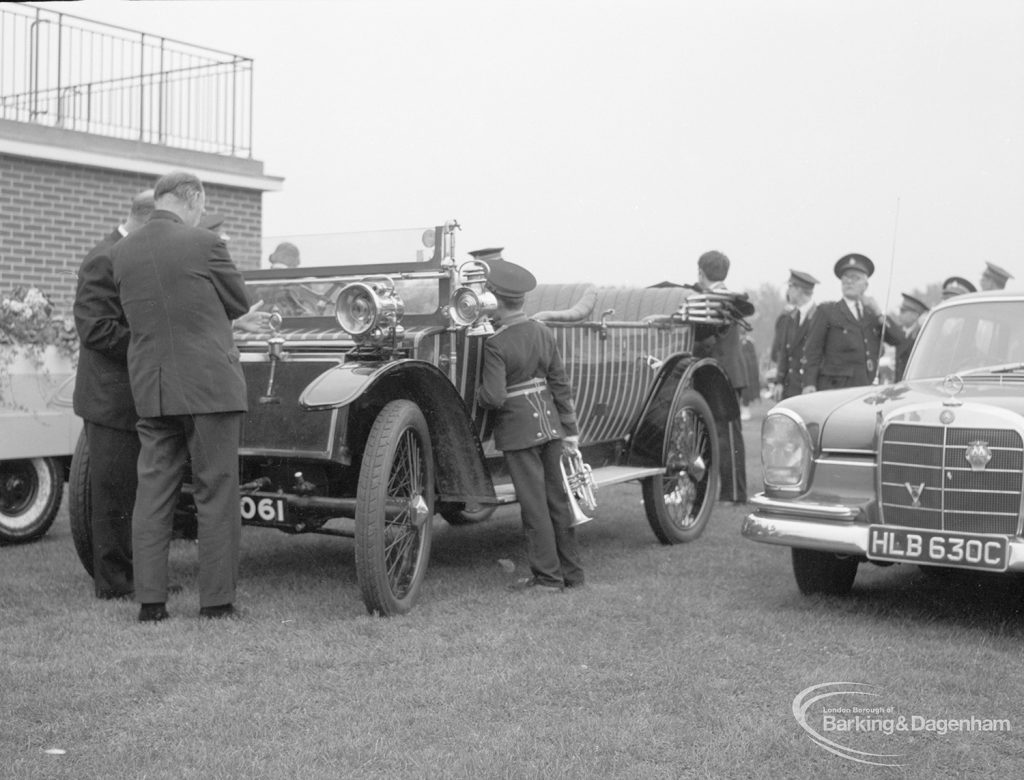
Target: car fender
365, 388
678, 374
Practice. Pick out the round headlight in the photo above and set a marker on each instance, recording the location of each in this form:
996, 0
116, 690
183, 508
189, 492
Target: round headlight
358, 308
785, 453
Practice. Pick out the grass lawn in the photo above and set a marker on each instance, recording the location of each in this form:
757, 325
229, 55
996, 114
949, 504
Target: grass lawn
673, 662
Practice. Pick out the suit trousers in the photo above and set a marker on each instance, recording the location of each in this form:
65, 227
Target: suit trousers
733, 461
551, 547
113, 459
211, 441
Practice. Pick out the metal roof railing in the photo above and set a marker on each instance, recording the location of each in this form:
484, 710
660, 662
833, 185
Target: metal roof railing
71, 73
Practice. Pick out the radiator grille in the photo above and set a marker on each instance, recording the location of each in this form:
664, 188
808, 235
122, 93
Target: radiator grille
927, 481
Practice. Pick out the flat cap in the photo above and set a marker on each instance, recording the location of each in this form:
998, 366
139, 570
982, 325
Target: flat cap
212, 222
508, 279
957, 285
802, 279
286, 253
999, 275
854, 262
910, 303
487, 255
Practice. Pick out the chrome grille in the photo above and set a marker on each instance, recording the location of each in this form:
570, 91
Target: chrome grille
927, 482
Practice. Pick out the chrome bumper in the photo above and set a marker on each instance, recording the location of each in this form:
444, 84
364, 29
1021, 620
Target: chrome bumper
825, 527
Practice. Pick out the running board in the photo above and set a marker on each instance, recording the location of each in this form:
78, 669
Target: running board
603, 477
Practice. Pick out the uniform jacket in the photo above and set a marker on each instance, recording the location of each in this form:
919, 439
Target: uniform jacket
792, 342
841, 346
102, 391
525, 380
723, 344
180, 290
906, 343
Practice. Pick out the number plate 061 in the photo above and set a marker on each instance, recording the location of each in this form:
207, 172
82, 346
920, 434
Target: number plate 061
262, 510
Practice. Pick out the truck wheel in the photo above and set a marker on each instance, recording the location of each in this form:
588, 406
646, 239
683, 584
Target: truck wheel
679, 502
394, 509
80, 503
823, 572
30, 494
458, 513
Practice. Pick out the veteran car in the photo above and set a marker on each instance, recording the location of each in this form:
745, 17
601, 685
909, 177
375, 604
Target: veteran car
927, 471
363, 421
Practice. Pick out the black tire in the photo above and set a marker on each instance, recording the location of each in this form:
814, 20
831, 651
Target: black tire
397, 468
823, 573
80, 503
30, 493
679, 503
458, 514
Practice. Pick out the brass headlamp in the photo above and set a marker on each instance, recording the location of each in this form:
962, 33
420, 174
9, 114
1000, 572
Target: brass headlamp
471, 302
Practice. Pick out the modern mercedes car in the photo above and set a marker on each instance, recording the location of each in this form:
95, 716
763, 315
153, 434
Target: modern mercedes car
927, 471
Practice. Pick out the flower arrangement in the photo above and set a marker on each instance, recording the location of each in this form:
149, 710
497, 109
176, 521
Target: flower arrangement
28, 329
27, 320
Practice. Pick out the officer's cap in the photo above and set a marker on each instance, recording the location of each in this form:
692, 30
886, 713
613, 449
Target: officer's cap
999, 275
854, 262
957, 285
910, 303
487, 255
802, 279
508, 279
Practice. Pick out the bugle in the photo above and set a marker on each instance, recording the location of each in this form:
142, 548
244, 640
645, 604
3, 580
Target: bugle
578, 481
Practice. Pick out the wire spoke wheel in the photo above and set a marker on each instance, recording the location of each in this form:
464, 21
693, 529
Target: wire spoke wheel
679, 502
394, 509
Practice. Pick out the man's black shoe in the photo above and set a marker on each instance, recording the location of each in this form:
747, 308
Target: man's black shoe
152, 613
220, 611
532, 583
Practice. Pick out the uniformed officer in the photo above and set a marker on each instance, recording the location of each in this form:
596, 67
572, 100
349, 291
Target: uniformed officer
994, 277
910, 324
525, 381
792, 330
956, 285
845, 337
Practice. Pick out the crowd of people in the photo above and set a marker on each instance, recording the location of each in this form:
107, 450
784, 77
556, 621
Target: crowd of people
839, 343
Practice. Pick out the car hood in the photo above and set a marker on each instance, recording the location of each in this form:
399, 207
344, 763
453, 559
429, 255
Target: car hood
849, 419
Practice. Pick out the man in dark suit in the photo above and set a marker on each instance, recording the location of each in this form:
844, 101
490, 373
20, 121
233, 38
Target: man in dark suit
524, 379
911, 311
180, 291
793, 330
845, 338
103, 399
723, 344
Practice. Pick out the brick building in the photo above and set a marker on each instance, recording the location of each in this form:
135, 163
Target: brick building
69, 165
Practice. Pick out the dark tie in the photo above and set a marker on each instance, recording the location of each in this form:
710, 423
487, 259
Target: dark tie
860, 313
798, 318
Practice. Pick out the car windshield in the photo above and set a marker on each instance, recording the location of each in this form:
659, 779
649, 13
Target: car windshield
974, 337
300, 285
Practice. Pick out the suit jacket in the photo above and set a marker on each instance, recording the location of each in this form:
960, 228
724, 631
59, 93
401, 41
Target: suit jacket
525, 380
792, 342
721, 342
103, 394
180, 290
841, 348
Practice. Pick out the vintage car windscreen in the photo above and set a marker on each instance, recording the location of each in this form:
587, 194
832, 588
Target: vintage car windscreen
295, 293
969, 337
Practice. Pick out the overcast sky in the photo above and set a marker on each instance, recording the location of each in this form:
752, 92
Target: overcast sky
616, 141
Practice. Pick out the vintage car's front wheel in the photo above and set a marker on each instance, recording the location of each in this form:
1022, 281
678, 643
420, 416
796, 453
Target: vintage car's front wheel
679, 502
80, 503
394, 509
30, 495
823, 573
